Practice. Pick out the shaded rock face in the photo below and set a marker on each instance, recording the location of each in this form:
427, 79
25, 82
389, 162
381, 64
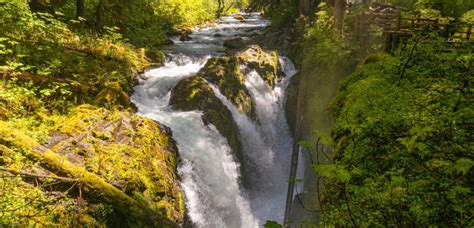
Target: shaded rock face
283, 39
227, 73
291, 105
234, 44
194, 93
132, 153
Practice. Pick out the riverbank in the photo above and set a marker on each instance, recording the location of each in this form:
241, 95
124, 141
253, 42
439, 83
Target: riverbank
69, 131
70, 135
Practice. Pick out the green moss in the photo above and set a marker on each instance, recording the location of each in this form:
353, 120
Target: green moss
377, 57
405, 140
50, 66
194, 93
121, 159
265, 63
225, 73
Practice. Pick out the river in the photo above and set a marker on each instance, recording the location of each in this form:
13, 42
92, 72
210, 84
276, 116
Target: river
209, 173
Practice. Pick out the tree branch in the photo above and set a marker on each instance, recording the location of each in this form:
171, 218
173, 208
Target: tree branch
28, 174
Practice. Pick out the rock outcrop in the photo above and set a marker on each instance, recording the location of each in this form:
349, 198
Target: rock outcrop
227, 73
265, 63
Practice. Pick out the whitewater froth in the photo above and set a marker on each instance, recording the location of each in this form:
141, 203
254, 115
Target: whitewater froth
210, 175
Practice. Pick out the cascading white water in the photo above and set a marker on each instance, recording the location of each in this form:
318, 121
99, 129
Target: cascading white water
250, 136
267, 195
209, 174
207, 165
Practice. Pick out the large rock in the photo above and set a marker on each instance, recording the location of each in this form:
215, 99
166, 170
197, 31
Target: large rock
194, 93
265, 63
235, 44
135, 154
225, 73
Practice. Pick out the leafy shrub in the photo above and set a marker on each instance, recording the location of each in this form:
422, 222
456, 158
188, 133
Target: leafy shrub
403, 141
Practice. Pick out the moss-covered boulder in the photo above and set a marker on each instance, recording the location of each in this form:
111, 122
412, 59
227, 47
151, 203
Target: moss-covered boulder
194, 93
108, 167
225, 73
265, 63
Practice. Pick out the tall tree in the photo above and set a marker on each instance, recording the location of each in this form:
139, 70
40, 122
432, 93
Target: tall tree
220, 7
80, 8
305, 7
339, 7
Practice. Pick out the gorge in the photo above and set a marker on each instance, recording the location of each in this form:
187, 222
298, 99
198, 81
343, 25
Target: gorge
210, 169
196, 113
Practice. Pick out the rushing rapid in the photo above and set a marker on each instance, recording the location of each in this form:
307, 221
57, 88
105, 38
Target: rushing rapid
208, 171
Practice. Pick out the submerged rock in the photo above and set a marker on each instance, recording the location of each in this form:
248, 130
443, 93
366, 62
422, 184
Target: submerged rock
239, 17
185, 37
168, 42
236, 43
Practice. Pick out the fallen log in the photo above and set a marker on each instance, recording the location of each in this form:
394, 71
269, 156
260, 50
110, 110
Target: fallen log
92, 185
76, 86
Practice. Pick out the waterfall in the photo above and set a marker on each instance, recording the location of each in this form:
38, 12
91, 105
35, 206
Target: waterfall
269, 187
267, 144
209, 174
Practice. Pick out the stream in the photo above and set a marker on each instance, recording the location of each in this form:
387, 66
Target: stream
209, 174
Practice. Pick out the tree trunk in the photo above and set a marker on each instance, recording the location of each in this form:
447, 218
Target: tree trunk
98, 16
220, 8
339, 7
305, 7
80, 8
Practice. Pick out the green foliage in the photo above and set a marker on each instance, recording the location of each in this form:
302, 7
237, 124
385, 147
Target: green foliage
284, 13
324, 46
51, 62
145, 23
96, 141
272, 224
468, 17
403, 146
447, 7
66, 67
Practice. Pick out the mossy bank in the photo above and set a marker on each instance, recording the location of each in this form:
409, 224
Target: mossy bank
72, 151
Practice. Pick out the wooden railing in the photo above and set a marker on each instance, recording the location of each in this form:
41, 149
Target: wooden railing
391, 20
